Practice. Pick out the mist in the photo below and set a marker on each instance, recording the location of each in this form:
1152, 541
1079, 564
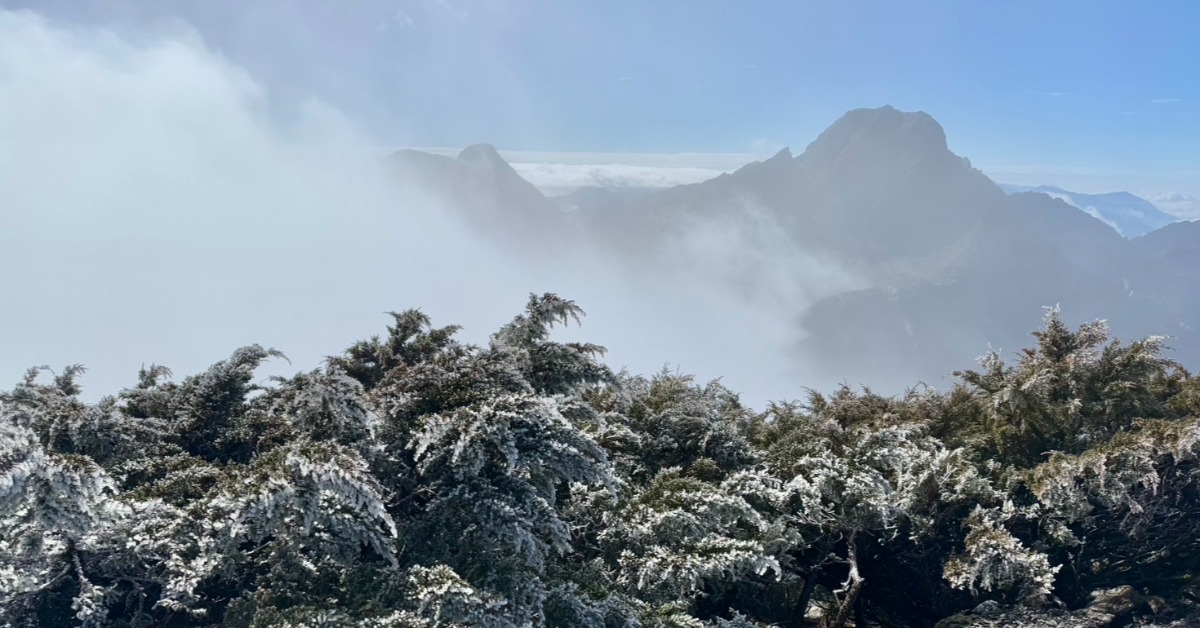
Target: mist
158, 210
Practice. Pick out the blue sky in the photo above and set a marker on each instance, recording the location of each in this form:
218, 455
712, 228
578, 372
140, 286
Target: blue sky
1103, 88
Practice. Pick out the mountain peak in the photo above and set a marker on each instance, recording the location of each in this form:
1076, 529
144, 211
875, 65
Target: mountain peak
885, 131
480, 153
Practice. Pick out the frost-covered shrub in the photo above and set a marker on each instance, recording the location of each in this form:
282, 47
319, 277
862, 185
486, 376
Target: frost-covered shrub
418, 481
994, 560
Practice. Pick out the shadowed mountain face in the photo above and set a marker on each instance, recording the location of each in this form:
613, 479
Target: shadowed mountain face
897, 259
1178, 245
487, 195
879, 191
1175, 254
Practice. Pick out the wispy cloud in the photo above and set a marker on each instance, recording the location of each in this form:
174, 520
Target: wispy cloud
557, 178
1165, 101
399, 19
1051, 94
461, 15
1180, 205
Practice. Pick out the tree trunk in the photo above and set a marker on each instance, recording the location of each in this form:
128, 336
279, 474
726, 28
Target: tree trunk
854, 583
810, 583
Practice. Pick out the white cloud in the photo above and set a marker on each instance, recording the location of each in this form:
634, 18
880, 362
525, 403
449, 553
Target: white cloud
1165, 101
401, 19
461, 15
157, 210
1179, 205
722, 162
554, 178
560, 172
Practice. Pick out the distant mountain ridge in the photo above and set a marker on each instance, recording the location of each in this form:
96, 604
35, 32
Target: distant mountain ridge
896, 257
1130, 215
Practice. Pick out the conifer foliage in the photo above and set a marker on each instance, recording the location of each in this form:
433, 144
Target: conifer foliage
416, 480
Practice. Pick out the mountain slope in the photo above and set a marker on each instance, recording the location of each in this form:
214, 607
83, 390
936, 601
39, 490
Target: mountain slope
485, 192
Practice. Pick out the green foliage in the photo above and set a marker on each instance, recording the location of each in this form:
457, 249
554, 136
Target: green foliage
418, 481
1070, 392
206, 408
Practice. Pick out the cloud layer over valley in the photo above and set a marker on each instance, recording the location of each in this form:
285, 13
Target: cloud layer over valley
157, 210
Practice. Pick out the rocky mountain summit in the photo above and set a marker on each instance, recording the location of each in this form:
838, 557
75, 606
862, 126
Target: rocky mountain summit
894, 257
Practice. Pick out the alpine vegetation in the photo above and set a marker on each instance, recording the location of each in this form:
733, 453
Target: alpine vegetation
415, 480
